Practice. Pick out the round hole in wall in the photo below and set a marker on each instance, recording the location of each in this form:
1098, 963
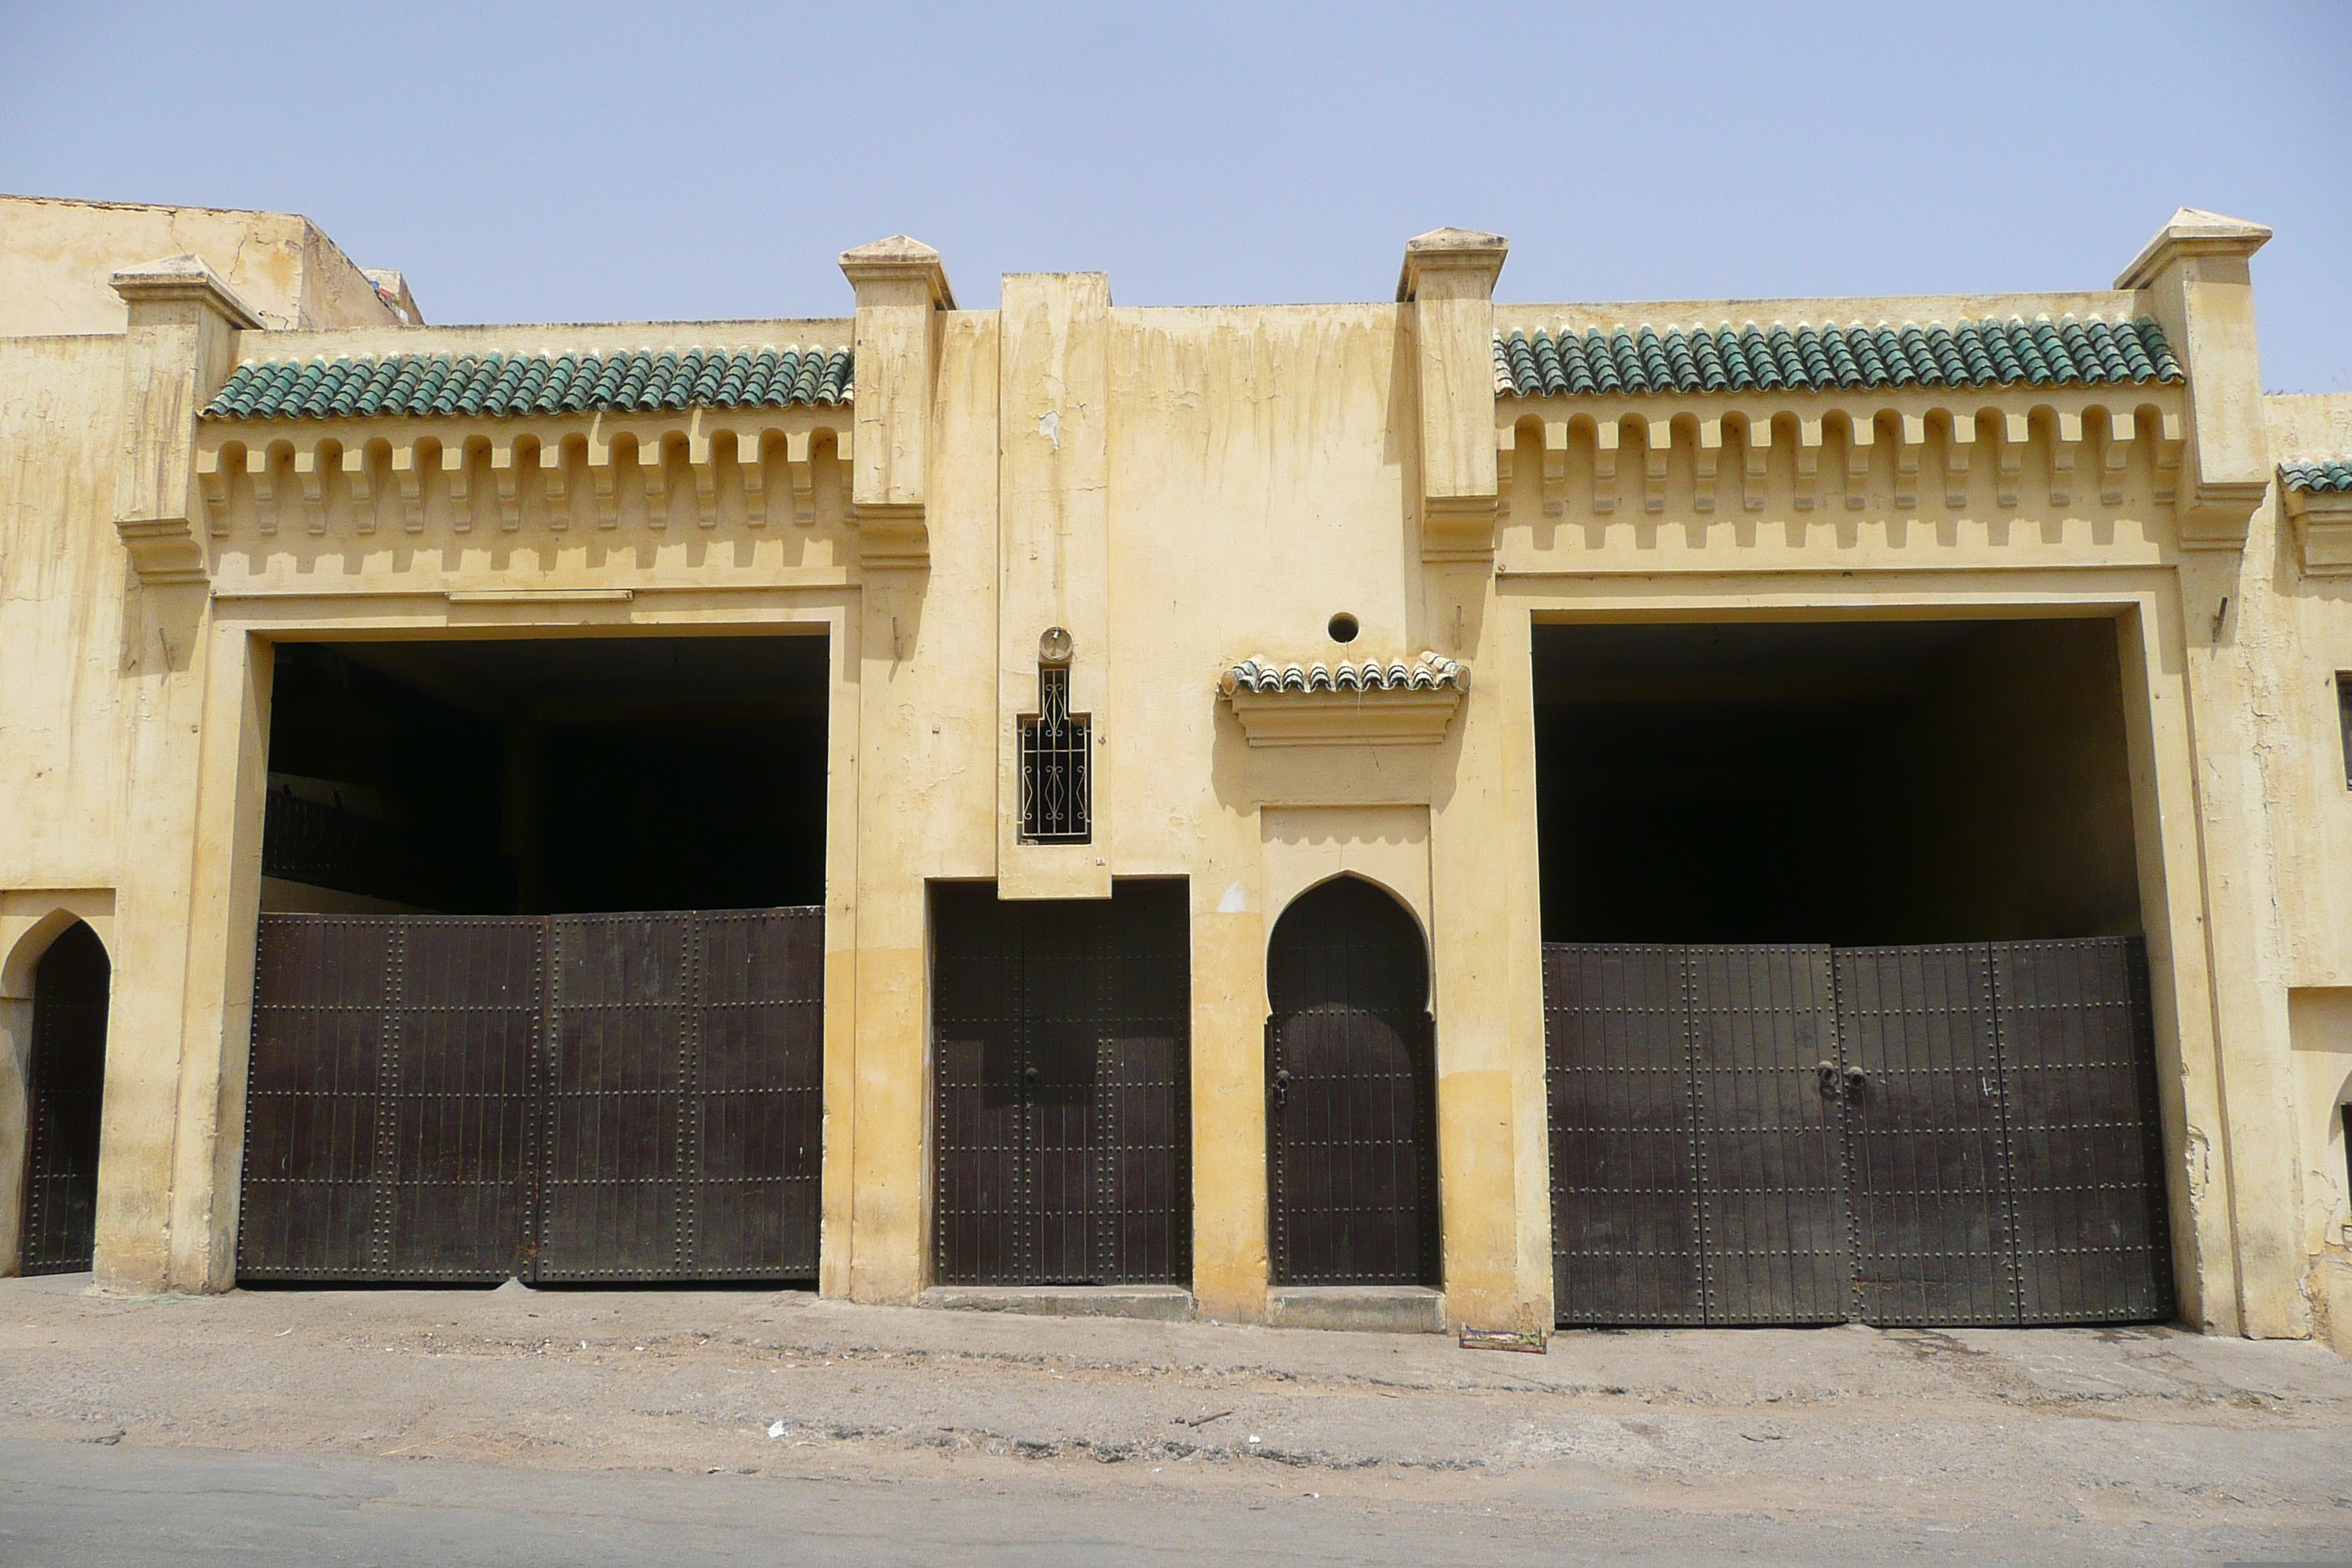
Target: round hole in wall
1344, 627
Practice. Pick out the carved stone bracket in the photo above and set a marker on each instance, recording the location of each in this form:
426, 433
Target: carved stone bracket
2321, 521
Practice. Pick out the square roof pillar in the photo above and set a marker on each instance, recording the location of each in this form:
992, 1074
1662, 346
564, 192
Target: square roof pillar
179, 347
902, 289
2194, 278
1446, 295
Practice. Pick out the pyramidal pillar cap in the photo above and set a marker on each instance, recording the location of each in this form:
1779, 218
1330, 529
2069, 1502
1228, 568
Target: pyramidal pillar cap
185, 277
897, 257
2190, 232
1471, 254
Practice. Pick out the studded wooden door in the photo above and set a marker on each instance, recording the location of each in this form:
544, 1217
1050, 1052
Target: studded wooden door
1926, 1135
1351, 1146
65, 1085
616, 1098
1061, 1126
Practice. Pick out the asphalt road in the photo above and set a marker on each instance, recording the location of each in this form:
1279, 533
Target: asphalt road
417, 1427
81, 1504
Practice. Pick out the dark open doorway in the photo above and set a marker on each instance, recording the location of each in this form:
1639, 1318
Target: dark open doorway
1844, 783
66, 1084
548, 777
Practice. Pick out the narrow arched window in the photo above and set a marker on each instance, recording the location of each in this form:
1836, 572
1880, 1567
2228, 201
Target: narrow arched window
1057, 775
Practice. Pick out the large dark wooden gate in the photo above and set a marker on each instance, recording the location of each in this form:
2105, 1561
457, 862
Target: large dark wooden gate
1352, 1148
66, 1083
1061, 1073
611, 1097
1947, 1135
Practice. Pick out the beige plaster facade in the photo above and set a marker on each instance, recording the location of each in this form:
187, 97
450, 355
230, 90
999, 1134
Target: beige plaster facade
1180, 489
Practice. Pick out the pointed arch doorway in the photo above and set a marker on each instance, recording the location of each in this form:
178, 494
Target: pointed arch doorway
65, 1085
1351, 1125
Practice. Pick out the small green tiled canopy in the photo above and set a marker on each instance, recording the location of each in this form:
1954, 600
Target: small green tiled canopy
1818, 359
631, 382
2333, 475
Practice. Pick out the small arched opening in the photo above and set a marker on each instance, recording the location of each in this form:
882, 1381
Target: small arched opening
1351, 1124
65, 1080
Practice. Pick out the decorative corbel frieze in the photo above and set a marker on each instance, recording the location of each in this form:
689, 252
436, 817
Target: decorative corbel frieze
2066, 440
1912, 442
312, 467
2076, 432
2016, 434
1755, 457
1606, 437
1659, 447
1706, 458
652, 474
554, 486
1555, 467
216, 471
359, 484
2114, 456
2169, 446
508, 480
409, 480
1808, 455
456, 475
1958, 448
1861, 434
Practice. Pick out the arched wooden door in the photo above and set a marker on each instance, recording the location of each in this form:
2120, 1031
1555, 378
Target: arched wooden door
1351, 1145
68, 1071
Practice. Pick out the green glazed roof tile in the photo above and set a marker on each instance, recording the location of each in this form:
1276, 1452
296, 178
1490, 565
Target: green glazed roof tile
1816, 359
2333, 475
628, 382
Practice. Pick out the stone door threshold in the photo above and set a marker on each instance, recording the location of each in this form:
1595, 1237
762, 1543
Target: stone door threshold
1159, 1303
1375, 1308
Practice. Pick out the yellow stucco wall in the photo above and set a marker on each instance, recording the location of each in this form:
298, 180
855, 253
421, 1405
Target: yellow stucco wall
59, 255
1180, 489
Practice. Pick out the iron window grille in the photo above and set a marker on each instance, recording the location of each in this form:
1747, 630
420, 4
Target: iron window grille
1057, 772
2344, 720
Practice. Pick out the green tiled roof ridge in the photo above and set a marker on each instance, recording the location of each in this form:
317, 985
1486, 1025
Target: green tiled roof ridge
628, 381
2326, 474
1751, 358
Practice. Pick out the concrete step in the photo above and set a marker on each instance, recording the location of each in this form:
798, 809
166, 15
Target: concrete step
1376, 1309
1159, 1303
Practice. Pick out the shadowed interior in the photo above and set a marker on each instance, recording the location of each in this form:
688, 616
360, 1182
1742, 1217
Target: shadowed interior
1850, 783
549, 776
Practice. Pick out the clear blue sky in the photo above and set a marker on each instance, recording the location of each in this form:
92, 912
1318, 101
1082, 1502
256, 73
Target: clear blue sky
592, 161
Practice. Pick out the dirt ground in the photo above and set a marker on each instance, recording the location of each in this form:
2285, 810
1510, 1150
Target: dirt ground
2138, 1444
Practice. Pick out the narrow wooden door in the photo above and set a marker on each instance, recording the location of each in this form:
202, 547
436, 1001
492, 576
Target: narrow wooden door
1061, 1130
1351, 1145
66, 1084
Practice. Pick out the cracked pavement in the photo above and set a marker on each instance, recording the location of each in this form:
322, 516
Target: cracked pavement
2139, 1444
